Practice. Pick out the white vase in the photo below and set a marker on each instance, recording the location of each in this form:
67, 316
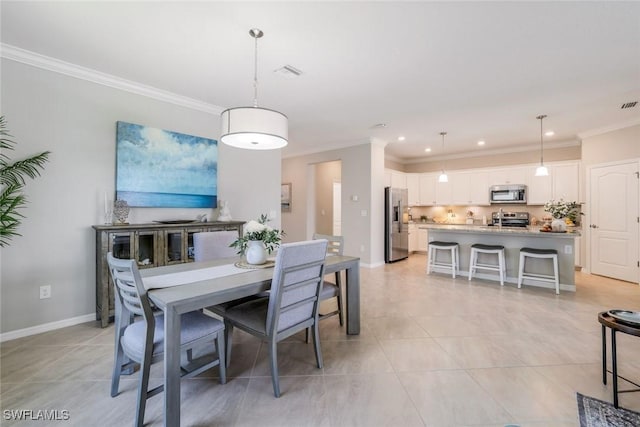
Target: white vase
256, 252
558, 225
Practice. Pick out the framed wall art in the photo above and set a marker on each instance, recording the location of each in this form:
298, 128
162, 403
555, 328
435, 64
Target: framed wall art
165, 169
285, 197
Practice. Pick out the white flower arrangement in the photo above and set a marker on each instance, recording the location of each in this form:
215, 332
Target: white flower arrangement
259, 230
562, 209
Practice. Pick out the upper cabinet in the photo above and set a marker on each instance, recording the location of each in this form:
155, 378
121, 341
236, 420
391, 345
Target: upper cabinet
566, 179
510, 175
427, 189
413, 187
561, 183
469, 188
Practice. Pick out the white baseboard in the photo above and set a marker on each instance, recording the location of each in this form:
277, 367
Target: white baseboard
46, 327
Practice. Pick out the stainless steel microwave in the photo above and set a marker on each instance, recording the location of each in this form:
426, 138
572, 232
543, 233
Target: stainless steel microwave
508, 194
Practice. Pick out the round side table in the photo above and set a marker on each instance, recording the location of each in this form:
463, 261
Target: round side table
607, 321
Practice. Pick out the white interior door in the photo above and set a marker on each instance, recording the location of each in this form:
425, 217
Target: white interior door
337, 209
614, 221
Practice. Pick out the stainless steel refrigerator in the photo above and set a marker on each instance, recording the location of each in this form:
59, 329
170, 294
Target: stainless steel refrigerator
396, 224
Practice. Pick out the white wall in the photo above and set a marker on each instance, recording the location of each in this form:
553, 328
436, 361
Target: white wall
75, 119
362, 176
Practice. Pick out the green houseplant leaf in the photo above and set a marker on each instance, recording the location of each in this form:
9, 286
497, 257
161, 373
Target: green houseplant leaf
12, 181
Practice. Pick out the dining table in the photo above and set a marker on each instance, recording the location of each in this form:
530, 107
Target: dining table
202, 284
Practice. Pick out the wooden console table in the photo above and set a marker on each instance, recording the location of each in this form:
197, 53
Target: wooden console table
151, 245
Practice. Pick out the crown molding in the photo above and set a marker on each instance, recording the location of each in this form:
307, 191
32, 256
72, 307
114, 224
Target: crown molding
607, 129
57, 66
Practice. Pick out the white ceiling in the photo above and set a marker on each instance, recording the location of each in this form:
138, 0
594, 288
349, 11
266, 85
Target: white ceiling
478, 70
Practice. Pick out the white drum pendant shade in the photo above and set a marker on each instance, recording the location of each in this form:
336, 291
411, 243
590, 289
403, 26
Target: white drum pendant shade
254, 128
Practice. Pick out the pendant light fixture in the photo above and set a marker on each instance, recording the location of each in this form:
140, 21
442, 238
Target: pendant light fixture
443, 176
542, 169
254, 128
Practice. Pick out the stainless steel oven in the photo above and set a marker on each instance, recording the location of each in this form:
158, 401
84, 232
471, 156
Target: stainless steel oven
508, 194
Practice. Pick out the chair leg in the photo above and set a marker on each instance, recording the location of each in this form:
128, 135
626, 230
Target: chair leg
117, 368
521, 270
228, 335
222, 364
316, 345
273, 358
555, 273
501, 267
429, 255
472, 262
143, 387
453, 263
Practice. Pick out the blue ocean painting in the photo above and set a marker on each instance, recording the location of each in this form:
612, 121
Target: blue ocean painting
160, 168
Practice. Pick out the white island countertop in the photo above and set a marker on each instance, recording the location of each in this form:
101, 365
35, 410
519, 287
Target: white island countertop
571, 233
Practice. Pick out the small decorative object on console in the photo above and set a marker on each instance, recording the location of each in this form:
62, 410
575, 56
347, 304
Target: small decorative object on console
121, 211
225, 212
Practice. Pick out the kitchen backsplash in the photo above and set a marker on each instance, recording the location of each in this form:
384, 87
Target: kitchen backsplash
459, 214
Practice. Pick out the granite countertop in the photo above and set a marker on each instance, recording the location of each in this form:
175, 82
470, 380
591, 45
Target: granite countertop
530, 230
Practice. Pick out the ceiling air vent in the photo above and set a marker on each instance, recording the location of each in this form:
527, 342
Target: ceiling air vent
288, 72
629, 105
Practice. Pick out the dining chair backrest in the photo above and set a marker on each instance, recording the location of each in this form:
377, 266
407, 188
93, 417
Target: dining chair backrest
213, 245
335, 245
296, 283
130, 288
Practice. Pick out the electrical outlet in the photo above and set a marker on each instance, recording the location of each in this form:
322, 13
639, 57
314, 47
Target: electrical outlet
567, 249
45, 291
363, 212
361, 248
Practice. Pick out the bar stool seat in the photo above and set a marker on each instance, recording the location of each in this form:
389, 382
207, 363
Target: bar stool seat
474, 265
432, 257
551, 254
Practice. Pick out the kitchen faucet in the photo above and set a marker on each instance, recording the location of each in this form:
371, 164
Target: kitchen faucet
500, 218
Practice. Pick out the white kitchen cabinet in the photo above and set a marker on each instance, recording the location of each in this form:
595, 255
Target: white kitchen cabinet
508, 176
427, 189
444, 195
413, 237
387, 177
565, 179
413, 187
561, 183
423, 239
539, 189
469, 188
398, 179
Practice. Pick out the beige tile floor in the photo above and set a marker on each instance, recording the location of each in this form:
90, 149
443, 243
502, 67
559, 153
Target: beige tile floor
434, 351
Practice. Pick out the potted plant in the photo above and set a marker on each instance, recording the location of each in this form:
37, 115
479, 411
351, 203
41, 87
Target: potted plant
12, 181
258, 239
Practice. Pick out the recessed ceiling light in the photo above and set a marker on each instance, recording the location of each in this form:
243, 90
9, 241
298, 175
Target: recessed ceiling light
549, 133
401, 138
480, 142
427, 150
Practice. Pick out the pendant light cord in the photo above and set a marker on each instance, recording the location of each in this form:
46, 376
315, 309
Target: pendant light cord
541, 117
443, 134
256, 34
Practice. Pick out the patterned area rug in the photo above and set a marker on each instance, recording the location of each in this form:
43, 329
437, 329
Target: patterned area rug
597, 413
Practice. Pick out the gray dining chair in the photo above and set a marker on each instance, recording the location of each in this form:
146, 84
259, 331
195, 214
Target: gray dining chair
292, 305
213, 245
329, 289
141, 341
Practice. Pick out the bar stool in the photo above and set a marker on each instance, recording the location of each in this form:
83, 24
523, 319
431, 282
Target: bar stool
432, 258
479, 248
551, 254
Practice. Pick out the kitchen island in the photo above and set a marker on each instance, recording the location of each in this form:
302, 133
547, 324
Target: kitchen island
513, 239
